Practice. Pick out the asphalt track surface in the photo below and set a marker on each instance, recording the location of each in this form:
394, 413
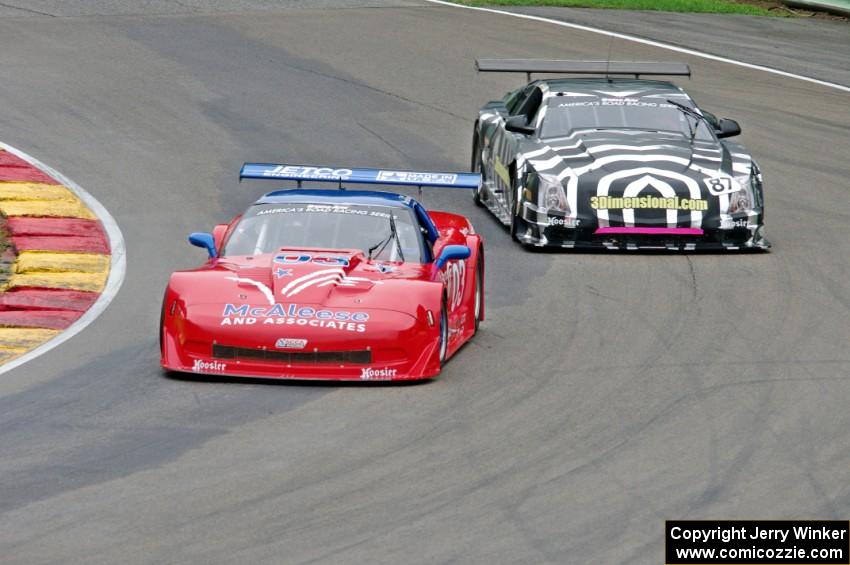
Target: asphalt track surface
603, 395
813, 47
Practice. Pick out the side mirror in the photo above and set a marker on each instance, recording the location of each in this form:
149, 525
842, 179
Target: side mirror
727, 128
519, 124
205, 240
450, 252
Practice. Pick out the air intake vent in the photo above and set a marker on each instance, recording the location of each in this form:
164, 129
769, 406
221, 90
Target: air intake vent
293, 358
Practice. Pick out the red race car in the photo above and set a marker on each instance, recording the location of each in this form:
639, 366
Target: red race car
329, 283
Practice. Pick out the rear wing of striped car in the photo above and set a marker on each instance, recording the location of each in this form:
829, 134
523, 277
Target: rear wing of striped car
559, 66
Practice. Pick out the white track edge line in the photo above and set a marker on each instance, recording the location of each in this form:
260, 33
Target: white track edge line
117, 269
650, 42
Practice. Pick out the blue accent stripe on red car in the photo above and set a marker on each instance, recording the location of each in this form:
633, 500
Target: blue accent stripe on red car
271, 171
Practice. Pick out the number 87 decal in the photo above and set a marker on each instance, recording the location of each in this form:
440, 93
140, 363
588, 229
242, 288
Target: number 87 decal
455, 281
721, 185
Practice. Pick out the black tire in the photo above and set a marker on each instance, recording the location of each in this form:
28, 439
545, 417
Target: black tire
476, 167
162, 327
516, 221
479, 292
444, 332
165, 372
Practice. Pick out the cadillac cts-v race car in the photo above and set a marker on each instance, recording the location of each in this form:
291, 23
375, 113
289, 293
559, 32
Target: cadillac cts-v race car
329, 283
614, 163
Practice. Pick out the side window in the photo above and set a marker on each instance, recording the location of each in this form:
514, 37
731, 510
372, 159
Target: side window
428, 254
511, 99
516, 99
420, 215
712, 119
529, 107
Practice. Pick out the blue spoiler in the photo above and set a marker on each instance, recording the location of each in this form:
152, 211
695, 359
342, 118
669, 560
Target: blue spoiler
358, 176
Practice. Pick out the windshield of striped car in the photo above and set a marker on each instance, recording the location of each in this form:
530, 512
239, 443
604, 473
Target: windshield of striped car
577, 111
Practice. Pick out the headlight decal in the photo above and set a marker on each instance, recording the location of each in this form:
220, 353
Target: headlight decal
741, 208
550, 193
552, 196
742, 200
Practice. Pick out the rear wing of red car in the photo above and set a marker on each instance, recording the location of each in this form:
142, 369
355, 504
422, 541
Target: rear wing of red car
301, 173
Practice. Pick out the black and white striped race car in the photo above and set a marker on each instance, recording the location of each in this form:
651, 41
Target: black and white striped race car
614, 162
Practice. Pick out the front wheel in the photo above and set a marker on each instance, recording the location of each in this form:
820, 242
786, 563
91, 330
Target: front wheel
514, 226
477, 167
444, 333
162, 327
517, 223
479, 290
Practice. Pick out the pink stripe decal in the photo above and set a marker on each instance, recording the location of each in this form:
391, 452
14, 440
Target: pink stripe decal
650, 231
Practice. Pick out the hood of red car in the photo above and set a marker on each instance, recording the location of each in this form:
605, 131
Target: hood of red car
335, 278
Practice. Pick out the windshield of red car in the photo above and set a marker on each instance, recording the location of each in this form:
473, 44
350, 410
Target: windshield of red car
567, 113
265, 228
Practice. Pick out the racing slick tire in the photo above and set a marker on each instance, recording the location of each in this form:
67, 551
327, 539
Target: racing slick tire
517, 223
444, 332
476, 167
479, 291
162, 326
165, 372
513, 226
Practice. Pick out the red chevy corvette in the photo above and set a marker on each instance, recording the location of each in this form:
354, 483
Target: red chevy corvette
329, 283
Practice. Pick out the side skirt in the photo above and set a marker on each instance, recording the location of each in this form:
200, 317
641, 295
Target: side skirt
495, 202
